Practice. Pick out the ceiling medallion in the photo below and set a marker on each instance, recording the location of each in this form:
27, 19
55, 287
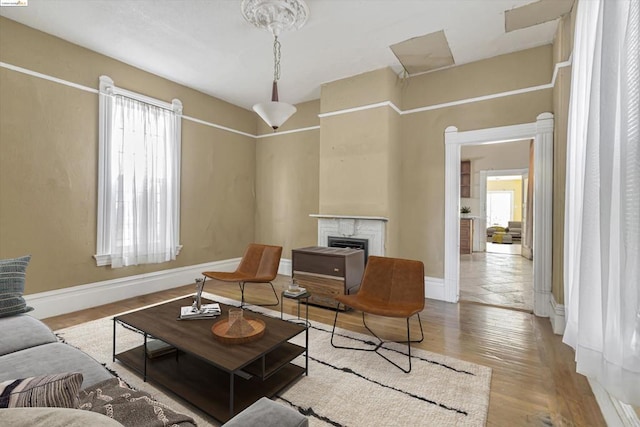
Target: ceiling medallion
275, 15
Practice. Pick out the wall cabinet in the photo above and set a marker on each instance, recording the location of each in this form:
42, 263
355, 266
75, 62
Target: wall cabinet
465, 178
327, 272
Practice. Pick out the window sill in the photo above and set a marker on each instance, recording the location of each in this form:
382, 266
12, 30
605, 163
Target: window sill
105, 259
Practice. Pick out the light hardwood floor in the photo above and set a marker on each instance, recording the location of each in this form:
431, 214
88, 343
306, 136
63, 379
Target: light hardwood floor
534, 382
499, 279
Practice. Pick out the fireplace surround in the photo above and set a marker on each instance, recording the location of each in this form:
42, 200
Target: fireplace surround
369, 228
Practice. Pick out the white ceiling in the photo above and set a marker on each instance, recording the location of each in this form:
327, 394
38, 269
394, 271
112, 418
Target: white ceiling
207, 45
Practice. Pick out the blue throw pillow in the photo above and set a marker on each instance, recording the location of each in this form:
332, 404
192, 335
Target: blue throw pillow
12, 274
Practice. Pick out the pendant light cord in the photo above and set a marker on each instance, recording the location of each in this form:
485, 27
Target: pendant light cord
276, 59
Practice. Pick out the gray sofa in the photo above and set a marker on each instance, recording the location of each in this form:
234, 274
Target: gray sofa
46, 382
28, 348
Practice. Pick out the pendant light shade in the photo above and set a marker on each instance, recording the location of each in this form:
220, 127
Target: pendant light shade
274, 113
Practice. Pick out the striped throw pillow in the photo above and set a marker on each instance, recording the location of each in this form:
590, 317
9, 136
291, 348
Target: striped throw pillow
59, 390
12, 274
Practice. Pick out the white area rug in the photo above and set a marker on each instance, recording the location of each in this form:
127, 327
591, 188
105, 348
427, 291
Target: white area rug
344, 387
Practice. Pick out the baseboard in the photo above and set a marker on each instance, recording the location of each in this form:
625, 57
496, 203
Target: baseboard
68, 300
614, 412
285, 267
434, 288
556, 316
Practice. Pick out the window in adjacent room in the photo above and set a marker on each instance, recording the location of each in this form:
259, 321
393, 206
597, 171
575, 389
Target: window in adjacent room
139, 178
499, 207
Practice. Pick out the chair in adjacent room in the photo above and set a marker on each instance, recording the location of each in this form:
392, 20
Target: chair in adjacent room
259, 264
391, 287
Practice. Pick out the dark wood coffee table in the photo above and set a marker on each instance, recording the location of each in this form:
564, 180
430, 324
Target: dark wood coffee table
220, 379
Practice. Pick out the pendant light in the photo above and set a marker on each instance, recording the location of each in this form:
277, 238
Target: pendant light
274, 112
275, 16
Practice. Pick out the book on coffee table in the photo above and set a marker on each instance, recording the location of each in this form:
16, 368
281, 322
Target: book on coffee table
207, 311
297, 293
157, 348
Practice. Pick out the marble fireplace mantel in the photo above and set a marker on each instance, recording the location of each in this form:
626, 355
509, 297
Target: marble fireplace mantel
372, 228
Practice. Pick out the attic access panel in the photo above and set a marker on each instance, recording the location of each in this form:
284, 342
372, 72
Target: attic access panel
424, 53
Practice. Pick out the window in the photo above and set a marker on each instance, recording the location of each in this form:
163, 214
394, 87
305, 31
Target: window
139, 178
499, 207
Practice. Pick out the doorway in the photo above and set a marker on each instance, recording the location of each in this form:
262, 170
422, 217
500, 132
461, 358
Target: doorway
495, 273
541, 131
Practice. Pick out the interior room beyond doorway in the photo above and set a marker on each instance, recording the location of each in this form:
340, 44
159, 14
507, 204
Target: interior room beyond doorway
495, 273
505, 205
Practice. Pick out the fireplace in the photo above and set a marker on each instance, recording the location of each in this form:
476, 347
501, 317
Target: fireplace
349, 242
356, 229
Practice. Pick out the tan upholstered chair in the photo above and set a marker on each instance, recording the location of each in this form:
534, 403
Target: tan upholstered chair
391, 287
259, 264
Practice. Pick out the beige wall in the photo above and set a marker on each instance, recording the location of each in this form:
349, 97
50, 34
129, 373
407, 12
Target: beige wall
287, 171
354, 169
562, 48
360, 151
364, 89
48, 163
527, 68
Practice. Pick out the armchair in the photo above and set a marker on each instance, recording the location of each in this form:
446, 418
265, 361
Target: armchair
259, 264
391, 287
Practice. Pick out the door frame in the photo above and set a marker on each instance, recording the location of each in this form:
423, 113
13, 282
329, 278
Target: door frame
541, 131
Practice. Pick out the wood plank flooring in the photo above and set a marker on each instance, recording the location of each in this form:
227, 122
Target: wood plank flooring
499, 279
534, 382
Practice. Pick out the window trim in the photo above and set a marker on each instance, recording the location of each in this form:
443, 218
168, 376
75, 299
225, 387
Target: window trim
106, 93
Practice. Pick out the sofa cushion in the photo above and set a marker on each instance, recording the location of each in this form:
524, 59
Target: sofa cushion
59, 390
267, 413
54, 417
12, 273
52, 358
23, 331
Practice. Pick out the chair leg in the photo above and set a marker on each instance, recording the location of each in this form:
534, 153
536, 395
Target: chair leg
335, 320
241, 284
381, 341
242, 303
408, 337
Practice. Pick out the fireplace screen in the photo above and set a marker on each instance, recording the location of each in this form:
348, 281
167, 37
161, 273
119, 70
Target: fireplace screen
348, 242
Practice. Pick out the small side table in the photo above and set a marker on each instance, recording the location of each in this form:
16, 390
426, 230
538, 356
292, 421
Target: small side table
305, 296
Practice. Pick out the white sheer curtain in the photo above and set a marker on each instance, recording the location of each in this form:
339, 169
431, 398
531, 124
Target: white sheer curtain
144, 178
602, 211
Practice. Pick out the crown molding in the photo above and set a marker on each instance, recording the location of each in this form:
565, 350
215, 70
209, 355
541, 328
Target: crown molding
388, 104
